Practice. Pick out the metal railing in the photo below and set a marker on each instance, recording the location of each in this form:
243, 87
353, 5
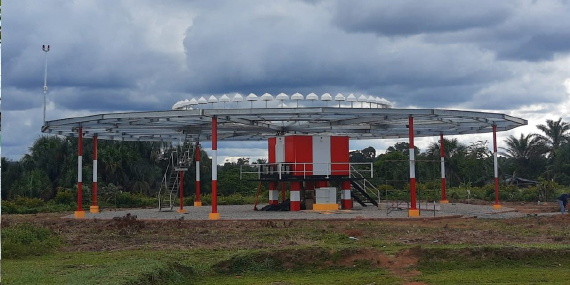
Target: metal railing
365, 185
305, 169
170, 181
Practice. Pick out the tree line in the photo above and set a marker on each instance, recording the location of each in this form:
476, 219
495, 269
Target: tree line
138, 167
537, 156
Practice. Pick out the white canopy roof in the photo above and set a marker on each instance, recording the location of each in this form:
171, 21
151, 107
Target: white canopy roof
258, 124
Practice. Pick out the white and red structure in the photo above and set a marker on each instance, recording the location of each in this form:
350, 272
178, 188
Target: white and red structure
308, 146
80, 213
304, 159
273, 193
94, 209
345, 198
413, 211
496, 168
214, 215
442, 154
197, 202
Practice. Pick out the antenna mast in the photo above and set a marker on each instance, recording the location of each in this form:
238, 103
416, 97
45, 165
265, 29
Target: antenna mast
45, 80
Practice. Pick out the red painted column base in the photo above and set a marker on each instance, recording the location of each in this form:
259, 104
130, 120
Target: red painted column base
295, 196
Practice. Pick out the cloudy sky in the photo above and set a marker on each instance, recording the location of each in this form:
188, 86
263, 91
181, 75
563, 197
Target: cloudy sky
511, 57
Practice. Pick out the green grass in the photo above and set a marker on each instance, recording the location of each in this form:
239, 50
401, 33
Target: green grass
325, 277
495, 265
89, 268
498, 275
173, 267
438, 265
26, 239
303, 253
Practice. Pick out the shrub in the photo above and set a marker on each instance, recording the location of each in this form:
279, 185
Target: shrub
26, 239
29, 202
64, 196
125, 199
22, 205
529, 194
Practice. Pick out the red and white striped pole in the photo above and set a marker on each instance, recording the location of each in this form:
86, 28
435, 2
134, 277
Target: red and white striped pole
413, 211
197, 203
345, 198
181, 210
496, 168
214, 215
295, 195
94, 209
80, 213
273, 193
442, 152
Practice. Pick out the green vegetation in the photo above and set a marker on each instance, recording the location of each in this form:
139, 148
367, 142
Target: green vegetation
508, 265
50, 250
26, 239
542, 158
435, 266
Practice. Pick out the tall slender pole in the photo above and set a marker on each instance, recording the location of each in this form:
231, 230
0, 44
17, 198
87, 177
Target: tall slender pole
95, 208
80, 213
197, 203
45, 79
214, 215
496, 168
413, 211
442, 153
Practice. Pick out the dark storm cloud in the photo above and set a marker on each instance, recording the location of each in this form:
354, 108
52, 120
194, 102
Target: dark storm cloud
110, 56
538, 47
99, 58
513, 30
275, 50
410, 17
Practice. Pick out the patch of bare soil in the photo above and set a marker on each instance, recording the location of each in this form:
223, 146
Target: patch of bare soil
127, 233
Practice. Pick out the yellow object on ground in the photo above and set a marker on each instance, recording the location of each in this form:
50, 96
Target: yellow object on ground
324, 207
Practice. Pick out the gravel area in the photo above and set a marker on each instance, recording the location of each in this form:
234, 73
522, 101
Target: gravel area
246, 212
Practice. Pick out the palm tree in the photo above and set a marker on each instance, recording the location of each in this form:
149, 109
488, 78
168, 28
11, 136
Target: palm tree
555, 134
526, 154
526, 147
455, 156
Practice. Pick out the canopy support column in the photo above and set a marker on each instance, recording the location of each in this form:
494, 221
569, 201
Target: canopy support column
214, 215
496, 168
413, 211
94, 209
198, 202
442, 152
80, 213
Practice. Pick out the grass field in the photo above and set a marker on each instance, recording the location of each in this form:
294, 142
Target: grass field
532, 250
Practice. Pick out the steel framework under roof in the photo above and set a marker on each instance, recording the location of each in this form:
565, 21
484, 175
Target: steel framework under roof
261, 123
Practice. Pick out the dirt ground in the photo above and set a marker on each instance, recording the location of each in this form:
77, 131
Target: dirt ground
128, 233
125, 233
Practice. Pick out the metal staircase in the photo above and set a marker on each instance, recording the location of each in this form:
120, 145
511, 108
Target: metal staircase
363, 191
180, 161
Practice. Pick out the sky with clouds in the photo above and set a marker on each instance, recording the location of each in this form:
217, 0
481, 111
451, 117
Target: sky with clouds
511, 57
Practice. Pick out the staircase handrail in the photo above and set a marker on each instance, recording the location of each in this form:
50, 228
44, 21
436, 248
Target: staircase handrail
363, 186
